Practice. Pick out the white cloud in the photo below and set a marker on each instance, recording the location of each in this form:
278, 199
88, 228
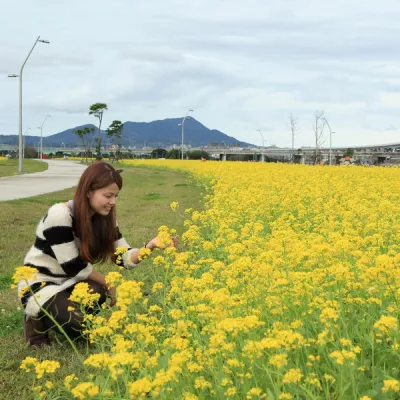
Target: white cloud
389, 100
242, 66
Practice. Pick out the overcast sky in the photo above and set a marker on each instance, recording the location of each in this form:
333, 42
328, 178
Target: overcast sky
241, 65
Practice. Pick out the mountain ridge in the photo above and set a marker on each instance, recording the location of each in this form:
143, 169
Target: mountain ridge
158, 133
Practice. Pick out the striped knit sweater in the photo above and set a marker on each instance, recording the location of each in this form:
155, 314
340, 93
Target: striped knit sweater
55, 255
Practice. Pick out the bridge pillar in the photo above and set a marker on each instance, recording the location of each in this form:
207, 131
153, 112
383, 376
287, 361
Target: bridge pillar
223, 157
262, 157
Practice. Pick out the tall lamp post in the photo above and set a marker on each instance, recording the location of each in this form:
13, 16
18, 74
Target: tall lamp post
24, 142
41, 137
20, 144
183, 126
330, 141
263, 144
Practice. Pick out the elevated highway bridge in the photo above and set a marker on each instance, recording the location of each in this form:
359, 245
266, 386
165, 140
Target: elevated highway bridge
373, 153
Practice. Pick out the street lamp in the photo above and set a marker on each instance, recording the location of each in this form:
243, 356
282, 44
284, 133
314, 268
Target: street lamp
24, 142
183, 126
330, 141
262, 137
41, 137
20, 144
263, 145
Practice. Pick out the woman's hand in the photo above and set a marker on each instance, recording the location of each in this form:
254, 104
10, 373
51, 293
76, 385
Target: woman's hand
112, 294
155, 243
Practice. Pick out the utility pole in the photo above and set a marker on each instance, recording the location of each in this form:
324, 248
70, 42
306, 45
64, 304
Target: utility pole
293, 129
183, 126
330, 141
263, 145
41, 137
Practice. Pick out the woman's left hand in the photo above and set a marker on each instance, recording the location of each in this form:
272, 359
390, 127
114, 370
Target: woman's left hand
155, 243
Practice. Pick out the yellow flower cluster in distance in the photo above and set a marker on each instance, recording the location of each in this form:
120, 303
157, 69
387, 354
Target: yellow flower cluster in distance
174, 205
285, 287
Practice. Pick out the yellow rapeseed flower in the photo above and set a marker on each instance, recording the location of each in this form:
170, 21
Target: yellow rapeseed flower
279, 360
28, 363
46, 367
294, 375
140, 388
24, 274
113, 278
391, 384
174, 205
143, 253
83, 294
85, 389
386, 323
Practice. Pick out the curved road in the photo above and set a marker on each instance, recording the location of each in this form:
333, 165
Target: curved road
61, 174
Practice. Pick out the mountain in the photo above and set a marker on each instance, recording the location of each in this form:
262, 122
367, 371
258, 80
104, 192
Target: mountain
161, 133
167, 132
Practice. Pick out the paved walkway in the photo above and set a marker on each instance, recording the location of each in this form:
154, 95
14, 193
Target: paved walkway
61, 174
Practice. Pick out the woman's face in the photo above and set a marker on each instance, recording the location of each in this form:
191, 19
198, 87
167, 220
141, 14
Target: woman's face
103, 200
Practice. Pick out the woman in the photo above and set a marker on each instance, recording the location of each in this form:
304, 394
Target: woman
70, 238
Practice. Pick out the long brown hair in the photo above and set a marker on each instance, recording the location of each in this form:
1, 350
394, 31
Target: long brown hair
97, 233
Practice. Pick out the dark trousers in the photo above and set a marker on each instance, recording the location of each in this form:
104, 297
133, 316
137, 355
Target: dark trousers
70, 321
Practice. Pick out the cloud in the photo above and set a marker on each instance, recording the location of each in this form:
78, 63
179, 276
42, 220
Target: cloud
72, 101
242, 66
155, 54
389, 100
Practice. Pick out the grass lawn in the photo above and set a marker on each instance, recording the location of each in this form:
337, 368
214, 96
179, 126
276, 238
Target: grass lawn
10, 167
142, 207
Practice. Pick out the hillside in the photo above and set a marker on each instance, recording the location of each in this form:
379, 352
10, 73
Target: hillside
161, 133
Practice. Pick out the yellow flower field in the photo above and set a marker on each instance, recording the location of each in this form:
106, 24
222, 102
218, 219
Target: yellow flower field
286, 286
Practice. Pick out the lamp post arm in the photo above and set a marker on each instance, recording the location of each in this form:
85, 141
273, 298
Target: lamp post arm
47, 116
23, 65
329, 127
262, 137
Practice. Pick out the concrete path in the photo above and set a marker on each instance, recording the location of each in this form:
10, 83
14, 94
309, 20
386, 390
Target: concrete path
61, 174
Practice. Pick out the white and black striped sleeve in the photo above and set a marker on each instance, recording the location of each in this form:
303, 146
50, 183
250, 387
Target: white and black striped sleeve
59, 235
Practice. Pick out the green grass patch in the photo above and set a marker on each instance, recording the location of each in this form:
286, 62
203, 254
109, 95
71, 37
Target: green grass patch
152, 196
10, 167
10, 322
141, 210
5, 281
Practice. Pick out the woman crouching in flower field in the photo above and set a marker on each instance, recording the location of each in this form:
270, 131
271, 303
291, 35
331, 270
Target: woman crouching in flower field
69, 239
